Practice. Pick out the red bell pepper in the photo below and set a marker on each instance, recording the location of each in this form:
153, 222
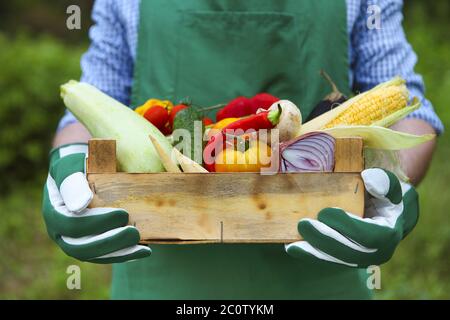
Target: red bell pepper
243, 106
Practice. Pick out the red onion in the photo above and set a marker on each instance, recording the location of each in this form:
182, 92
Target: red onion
312, 152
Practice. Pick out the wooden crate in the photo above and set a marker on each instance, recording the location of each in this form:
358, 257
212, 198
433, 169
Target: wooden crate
224, 207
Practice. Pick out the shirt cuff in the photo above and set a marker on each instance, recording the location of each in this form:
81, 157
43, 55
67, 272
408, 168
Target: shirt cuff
67, 119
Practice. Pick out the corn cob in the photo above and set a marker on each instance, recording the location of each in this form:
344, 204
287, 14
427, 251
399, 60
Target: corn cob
374, 106
383, 105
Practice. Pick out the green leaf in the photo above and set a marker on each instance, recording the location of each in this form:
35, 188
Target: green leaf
186, 119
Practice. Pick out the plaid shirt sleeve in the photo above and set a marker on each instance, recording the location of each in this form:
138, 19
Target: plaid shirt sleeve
375, 55
108, 63
378, 55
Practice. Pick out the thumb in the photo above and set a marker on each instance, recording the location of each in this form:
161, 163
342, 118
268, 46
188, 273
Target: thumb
69, 175
382, 184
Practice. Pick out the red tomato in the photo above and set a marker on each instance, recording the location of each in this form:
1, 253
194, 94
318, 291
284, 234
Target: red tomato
207, 121
158, 116
166, 131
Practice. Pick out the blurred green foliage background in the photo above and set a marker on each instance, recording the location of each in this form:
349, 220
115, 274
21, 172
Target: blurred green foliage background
38, 53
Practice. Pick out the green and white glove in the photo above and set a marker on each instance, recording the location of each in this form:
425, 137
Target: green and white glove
98, 235
391, 212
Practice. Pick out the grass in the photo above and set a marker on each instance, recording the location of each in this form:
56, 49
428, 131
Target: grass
419, 268
31, 266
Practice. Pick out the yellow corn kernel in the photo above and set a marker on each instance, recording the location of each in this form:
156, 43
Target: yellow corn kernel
373, 107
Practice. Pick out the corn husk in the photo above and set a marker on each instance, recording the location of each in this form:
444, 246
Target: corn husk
380, 137
386, 159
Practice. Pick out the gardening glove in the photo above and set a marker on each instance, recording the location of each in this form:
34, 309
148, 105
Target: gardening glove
99, 235
391, 212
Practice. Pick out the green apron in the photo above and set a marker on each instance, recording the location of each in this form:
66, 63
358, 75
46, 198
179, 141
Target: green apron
213, 51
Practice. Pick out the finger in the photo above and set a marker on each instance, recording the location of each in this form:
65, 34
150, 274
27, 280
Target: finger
90, 221
411, 208
124, 255
90, 247
305, 251
68, 149
382, 184
76, 192
68, 175
93, 221
334, 244
368, 232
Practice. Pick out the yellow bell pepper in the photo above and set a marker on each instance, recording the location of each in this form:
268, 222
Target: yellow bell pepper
154, 102
255, 156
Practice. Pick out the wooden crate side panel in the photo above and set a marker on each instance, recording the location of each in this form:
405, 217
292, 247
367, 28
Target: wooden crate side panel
349, 155
234, 207
242, 207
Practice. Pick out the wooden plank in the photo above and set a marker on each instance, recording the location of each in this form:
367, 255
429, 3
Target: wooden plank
101, 156
349, 155
225, 207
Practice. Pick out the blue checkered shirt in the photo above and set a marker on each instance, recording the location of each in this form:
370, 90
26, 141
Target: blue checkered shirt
376, 55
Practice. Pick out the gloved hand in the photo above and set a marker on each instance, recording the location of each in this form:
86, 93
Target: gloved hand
391, 212
99, 235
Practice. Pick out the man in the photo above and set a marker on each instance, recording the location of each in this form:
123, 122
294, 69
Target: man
213, 51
